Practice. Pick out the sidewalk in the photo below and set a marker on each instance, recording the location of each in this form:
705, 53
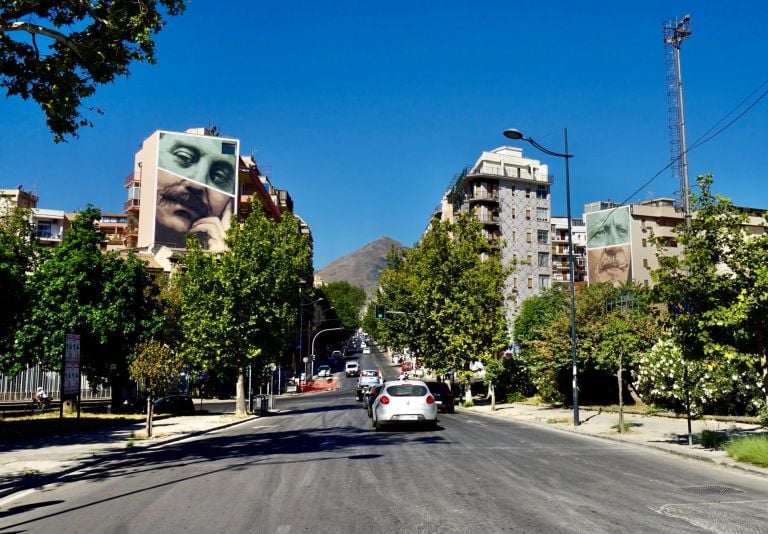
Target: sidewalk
32, 463
666, 434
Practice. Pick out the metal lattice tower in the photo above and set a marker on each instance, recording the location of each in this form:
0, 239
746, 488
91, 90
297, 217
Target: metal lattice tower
675, 32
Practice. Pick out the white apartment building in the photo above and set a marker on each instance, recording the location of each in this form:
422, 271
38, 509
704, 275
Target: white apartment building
510, 195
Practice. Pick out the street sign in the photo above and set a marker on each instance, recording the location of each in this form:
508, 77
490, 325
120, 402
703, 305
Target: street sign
71, 384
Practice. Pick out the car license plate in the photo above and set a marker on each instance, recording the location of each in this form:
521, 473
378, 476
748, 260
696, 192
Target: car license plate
408, 417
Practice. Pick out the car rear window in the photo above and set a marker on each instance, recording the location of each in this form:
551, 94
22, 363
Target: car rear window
407, 390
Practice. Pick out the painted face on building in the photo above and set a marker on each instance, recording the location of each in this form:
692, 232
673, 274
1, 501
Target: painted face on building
207, 160
188, 207
609, 264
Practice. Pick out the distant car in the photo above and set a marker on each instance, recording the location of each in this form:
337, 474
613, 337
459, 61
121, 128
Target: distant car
404, 402
351, 369
336, 354
367, 350
368, 379
324, 370
443, 396
175, 405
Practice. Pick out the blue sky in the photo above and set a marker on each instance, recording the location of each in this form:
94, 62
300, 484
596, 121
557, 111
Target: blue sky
365, 110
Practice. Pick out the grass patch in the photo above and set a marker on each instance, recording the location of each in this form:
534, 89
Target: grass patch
558, 420
515, 396
468, 404
749, 449
49, 424
711, 439
129, 444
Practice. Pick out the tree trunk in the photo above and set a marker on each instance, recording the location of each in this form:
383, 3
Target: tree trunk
636, 398
621, 396
468, 394
493, 397
240, 409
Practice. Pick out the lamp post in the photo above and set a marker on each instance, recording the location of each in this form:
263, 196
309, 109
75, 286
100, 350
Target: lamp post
313, 344
517, 135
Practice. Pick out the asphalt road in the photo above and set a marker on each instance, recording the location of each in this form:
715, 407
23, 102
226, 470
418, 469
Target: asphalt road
318, 466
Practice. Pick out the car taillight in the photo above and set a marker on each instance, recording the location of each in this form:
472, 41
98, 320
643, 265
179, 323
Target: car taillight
430, 399
384, 399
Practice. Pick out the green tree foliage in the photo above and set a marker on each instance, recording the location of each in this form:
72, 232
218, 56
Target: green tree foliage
449, 289
58, 53
348, 302
237, 307
107, 300
158, 367
19, 256
717, 290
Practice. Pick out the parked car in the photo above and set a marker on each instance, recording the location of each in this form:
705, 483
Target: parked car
404, 402
175, 404
443, 396
324, 370
369, 397
351, 369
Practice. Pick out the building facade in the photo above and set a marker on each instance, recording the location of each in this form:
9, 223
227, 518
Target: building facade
510, 195
560, 260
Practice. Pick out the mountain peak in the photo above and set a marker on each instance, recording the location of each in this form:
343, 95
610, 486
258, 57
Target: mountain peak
362, 267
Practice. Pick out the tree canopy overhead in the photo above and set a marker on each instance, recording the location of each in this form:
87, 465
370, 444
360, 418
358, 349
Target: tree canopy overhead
58, 53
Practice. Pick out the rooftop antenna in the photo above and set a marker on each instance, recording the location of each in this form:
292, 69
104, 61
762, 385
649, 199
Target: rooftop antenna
675, 32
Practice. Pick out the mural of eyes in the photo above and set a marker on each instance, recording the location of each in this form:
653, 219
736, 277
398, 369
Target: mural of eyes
222, 175
185, 156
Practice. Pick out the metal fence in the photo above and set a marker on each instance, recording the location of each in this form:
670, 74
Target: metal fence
23, 386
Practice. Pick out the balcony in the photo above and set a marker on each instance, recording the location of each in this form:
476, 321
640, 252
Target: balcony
130, 179
131, 205
480, 196
487, 219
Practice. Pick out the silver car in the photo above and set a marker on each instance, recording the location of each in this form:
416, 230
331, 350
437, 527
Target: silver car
404, 402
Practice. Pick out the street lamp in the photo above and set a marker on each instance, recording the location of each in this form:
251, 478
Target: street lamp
313, 344
517, 135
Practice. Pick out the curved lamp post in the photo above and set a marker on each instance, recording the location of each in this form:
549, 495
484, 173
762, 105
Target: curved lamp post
313, 345
517, 135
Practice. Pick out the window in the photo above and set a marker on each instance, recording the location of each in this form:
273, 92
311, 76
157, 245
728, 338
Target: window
543, 281
44, 229
530, 282
528, 236
527, 214
542, 237
527, 192
530, 259
543, 259
514, 212
645, 243
542, 214
514, 283
541, 191
645, 262
514, 236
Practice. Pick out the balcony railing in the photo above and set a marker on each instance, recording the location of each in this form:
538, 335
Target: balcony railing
132, 204
483, 195
129, 180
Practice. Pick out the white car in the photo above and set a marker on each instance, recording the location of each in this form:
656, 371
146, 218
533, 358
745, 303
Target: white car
324, 370
404, 402
367, 350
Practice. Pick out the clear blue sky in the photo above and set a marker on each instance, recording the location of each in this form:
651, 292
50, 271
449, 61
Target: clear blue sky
364, 110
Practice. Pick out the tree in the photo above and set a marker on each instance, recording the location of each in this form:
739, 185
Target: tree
106, 299
237, 306
19, 256
87, 43
449, 288
159, 367
717, 289
348, 302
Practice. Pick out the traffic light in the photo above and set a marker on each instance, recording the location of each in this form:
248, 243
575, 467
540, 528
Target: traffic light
380, 311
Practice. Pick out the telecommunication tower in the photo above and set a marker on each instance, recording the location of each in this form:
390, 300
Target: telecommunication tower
675, 32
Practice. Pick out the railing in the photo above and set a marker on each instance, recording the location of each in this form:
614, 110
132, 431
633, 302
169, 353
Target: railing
131, 204
483, 195
129, 180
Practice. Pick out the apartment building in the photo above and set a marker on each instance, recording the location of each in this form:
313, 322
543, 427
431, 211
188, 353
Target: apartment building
560, 260
510, 195
618, 237
193, 182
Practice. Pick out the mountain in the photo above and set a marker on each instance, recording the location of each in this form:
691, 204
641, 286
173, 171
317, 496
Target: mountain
362, 267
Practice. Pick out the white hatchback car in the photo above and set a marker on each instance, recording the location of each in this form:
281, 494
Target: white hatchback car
404, 402
324, 370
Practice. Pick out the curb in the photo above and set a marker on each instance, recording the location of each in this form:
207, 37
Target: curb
39, 480
691, 455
